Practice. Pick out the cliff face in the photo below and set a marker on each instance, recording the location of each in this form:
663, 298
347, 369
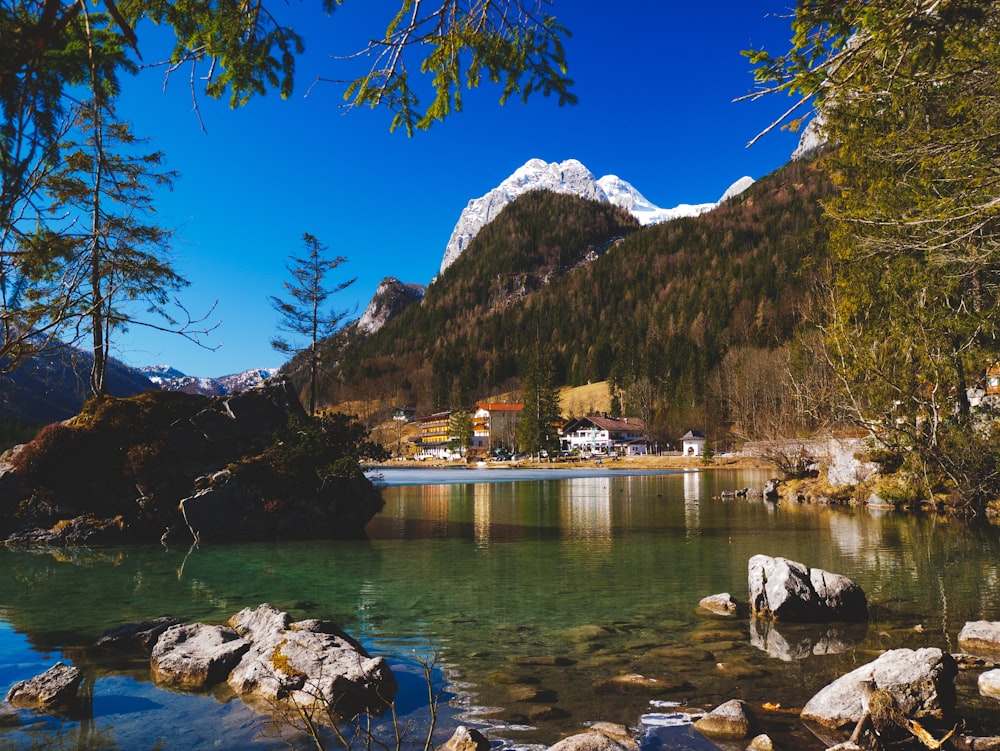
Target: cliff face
174, 466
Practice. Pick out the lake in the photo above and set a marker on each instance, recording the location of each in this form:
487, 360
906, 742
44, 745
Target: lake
522, 594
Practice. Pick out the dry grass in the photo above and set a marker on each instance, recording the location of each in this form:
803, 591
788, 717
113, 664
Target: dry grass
579, 401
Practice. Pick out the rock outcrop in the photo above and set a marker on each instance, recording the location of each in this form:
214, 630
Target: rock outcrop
175, 467
787, 590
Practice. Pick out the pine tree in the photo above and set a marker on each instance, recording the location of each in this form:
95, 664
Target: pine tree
538, 429
460, 430
303, 315
120, 261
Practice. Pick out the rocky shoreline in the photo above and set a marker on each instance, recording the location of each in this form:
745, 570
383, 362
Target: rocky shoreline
277, 665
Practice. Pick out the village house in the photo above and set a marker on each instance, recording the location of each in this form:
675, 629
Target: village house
625, 436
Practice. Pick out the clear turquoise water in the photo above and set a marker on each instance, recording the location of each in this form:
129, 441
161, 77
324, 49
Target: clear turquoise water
553, 585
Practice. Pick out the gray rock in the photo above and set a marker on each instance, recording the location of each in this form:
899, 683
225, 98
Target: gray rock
195, 656
54, 690
922, 682
788, 590
771, 490
981, 638
845, 468
989, 684
602, 736
721, 604
727, 721
314, 671
761, 742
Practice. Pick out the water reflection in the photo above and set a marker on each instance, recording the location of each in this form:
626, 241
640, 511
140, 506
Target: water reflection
560, 583
786, 641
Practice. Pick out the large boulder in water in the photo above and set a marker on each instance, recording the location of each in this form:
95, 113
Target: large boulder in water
790, 591
922, 681
312, 665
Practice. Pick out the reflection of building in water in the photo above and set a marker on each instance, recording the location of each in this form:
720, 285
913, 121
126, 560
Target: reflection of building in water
692, 505
586, 507
692, 486
482, 501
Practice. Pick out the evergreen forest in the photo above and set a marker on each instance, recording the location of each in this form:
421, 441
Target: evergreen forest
657, 306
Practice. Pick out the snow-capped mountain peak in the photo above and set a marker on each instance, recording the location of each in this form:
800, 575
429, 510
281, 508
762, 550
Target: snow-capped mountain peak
571, 177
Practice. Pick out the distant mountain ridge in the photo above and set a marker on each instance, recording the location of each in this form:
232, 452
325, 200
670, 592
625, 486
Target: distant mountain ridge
54, 388
571, 177
171, 379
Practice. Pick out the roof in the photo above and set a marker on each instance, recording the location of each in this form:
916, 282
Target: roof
611, 424
435, 417
693, 435
500, 406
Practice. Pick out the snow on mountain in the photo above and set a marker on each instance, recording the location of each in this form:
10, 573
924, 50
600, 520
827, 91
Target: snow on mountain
736, 188
391, 298
248, 379
564, 177
171, 379
812, 138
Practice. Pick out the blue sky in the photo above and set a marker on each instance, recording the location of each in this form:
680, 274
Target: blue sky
655, 79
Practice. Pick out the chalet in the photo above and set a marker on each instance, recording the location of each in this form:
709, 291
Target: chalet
693, 443
494, 425
605, 435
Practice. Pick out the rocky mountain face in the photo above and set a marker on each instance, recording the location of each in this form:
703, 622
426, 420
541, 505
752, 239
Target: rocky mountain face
391, 298
570, 177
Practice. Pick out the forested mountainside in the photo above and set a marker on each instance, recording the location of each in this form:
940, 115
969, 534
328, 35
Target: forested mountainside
610, 299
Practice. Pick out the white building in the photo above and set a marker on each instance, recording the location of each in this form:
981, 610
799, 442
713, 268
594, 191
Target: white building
693, 443
625, 436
